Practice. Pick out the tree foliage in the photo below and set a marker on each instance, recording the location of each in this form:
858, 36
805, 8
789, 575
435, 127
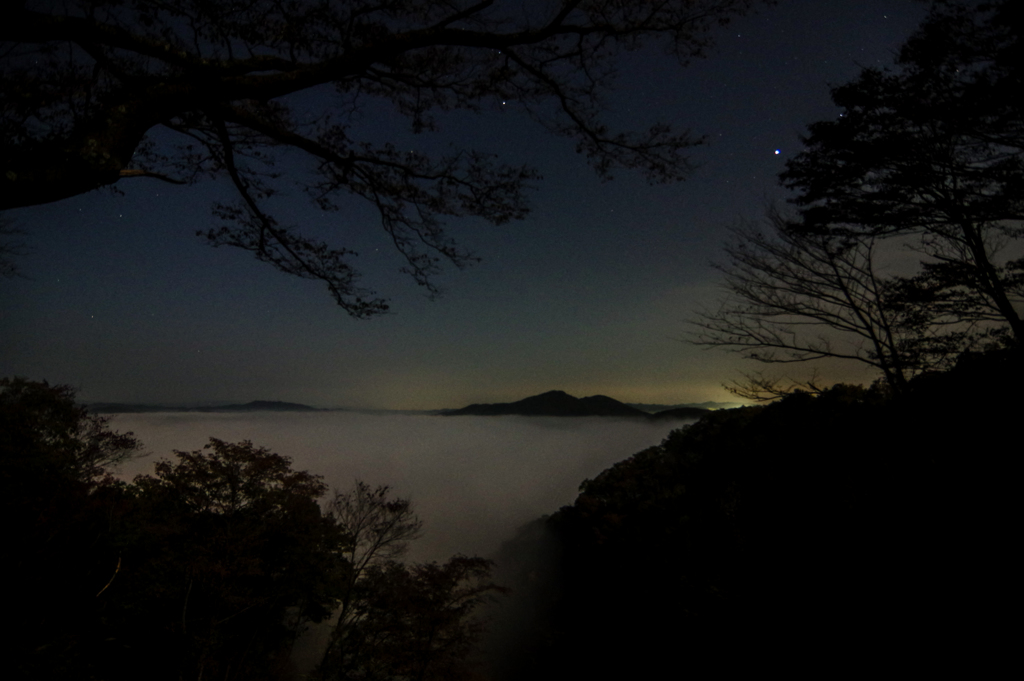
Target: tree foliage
89, 85
230, 556
398, 621
210, 567
853, 525
45, 431
411, 622
57, 503
928, 154
933, 149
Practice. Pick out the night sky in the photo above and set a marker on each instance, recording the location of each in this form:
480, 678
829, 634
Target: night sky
590, 294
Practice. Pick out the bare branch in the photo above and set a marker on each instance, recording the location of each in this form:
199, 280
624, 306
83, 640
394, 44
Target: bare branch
759, 387
87, 82
798, 297
136, 172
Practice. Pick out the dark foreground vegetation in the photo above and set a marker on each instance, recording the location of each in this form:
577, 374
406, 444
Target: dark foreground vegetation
855, 528
851, 528
212, 567
102, 92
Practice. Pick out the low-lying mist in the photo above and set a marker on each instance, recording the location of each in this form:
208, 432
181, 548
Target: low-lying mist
472, 480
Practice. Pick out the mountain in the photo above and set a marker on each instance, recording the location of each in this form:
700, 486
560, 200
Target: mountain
559, 403
258, 405
122, 408
262, 405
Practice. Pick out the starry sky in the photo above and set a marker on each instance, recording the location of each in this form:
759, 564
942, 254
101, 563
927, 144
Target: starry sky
589, 294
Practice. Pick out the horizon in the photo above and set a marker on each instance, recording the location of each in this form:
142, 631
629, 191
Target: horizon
214, 404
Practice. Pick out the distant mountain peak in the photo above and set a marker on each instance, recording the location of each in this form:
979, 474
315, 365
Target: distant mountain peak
561, 403
270, 405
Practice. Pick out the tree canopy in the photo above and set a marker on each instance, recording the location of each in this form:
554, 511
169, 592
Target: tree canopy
44, 433
855, 525
211, 566
928, 154
88, 85
933, 149
798, 297
228, 556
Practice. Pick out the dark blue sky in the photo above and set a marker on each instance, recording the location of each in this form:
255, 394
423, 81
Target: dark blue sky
589, 294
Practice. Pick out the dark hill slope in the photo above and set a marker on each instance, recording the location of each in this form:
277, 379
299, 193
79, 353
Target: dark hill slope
816, 533
680, 413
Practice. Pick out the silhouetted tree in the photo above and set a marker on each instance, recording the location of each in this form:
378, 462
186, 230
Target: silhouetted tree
398, 621
232, 557
90, 84
44, 430
761, 387
796, 296
57, 504
933, 148
854, 526
210, 567
378, 529
411, 622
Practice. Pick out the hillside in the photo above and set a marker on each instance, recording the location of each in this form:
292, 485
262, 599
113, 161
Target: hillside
850, 528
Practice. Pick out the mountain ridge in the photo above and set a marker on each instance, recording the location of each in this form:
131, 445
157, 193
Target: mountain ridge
550, 403
255, 405
561, 403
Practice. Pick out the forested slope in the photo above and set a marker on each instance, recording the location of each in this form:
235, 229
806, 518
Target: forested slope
844, 529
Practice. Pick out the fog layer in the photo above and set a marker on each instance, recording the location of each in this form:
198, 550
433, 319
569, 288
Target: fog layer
472, 480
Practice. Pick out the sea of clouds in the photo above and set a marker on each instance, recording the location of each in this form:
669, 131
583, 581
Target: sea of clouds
472, 480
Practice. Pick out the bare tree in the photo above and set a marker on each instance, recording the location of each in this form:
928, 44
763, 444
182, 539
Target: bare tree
761, 387
400, 621
415, 622
933, 149
378, 530
931, 152
379, 527
90, 84
797, 297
